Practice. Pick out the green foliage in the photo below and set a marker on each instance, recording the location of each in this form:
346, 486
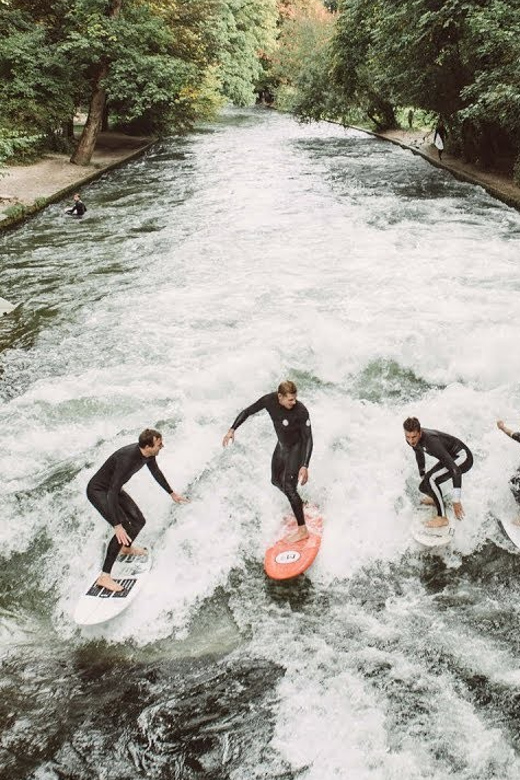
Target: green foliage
458, 59
301, 65
15, 212
493, 47
32, 76
245, 34
17, 147
167, 63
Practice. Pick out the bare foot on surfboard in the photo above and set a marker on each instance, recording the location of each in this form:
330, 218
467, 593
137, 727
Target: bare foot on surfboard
106, 581
427, 501
297, 536
133, 550
437, 522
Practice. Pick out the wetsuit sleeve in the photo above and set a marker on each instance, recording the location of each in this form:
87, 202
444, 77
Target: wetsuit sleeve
444, 457
158, 475
253, 409
421, 462
516, 436
307, 439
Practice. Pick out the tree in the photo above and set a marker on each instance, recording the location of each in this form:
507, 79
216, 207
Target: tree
357, 76
32, 75
246, 33
301, 66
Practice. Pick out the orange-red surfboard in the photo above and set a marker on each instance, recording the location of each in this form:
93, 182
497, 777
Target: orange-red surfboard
284, 560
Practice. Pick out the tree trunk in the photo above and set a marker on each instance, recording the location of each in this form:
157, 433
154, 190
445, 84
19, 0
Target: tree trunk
104, 123
68, 129
87, 142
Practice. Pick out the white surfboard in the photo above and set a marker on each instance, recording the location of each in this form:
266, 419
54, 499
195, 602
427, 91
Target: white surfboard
97, 605
511, 530
6, 307
432, 537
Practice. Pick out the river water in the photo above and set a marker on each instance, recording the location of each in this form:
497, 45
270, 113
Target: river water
218, 264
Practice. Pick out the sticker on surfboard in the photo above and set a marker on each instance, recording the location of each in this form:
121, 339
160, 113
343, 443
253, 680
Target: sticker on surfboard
97, 605
285, 560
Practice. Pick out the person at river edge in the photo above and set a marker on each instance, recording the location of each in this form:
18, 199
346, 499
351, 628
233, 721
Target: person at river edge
439, 137
290, 461
454, 459
105, 492
78, 209
514, 482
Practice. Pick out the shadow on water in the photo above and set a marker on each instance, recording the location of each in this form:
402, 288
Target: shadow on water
297, 593
185, 719
19, 578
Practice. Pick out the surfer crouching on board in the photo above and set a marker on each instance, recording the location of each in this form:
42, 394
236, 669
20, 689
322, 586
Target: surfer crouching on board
290, 462
105, 492
454, 459
514, 482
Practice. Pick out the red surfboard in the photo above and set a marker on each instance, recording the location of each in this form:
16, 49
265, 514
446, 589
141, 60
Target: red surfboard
285, 560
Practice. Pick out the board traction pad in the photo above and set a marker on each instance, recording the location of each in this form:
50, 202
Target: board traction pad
126, 583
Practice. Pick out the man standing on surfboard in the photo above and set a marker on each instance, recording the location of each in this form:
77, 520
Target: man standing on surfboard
454, 459
105, 492
290, 462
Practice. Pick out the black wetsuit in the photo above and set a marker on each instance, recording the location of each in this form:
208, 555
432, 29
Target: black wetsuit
294, 447
105, 492
514, 482
454, 458
78, 209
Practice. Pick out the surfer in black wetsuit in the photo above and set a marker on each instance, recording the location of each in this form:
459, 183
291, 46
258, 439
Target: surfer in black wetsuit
454, 459
514, 482
78, 208
105, 492
290, 462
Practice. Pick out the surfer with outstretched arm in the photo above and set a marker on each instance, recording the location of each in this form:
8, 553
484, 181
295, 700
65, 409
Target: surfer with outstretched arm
290, 462
514, 482
454, 459
105, 492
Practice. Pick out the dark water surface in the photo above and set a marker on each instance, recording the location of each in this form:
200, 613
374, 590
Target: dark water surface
203, 274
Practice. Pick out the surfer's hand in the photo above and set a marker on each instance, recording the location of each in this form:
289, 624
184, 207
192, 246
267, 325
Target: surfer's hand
457, 508
230, 436
178, 498
303, 475
500, 425
122, 536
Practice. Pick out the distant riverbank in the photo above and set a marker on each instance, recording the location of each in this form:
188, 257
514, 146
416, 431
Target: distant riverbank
420, 142
25, 189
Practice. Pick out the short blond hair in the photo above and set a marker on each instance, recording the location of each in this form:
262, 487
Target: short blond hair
287, 388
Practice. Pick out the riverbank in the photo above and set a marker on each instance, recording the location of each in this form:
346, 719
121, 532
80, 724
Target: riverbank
420, 142
26, 189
